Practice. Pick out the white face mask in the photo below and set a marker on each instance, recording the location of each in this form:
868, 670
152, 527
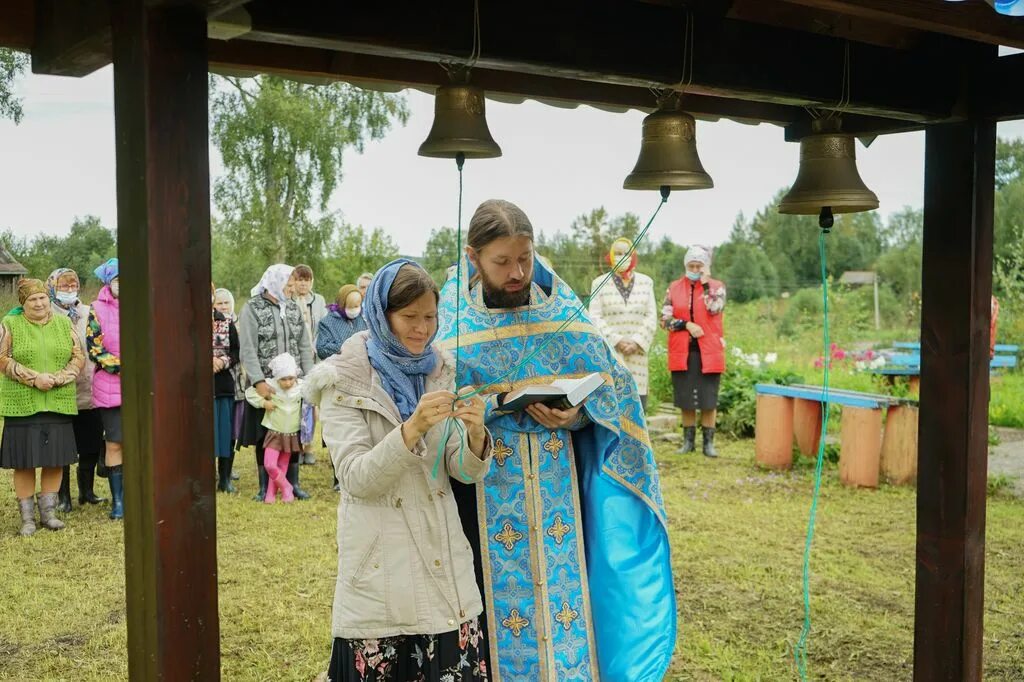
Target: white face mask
353, 313
67, 297
115, 288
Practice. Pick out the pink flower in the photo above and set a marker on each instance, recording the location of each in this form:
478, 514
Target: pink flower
819, 363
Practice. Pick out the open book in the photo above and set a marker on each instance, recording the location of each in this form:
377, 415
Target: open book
563, 394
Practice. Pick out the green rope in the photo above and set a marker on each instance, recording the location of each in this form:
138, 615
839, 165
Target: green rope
515, 369
800, 651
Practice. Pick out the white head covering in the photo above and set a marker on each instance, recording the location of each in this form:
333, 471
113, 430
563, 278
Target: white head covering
225, 295
273, 282
284, 365
697, 254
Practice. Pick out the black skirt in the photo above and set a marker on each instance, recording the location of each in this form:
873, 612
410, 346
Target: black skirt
455, 656
694, 390
88, 426
41, 440
253, 431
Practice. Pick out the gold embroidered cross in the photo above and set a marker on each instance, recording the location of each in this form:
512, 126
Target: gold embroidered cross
553, 445
501, 452
567, 615
516, 623
508, 536
559, 529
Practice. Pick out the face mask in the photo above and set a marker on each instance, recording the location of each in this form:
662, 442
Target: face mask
692, 276
353, 313
67, 297
115, 289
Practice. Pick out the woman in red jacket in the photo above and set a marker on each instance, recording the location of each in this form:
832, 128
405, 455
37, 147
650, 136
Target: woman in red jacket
692, 314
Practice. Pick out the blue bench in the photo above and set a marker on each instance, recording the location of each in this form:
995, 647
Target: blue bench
788, 412
1005, 356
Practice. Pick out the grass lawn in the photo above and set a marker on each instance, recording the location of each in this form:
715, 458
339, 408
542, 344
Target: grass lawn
738, 538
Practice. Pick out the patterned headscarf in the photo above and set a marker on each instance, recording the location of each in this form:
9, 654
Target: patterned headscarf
225, 295
107, 272
697, 254
29, 287
273, 282
630, 265
402, 374
51, 286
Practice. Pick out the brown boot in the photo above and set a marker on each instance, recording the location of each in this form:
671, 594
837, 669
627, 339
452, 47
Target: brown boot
28, 516
47, 517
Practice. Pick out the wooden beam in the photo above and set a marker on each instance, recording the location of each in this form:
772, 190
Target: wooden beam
374, 71
71, 38
953, 446
627, 43
163, 210
1004, 94
17, 24
973, 20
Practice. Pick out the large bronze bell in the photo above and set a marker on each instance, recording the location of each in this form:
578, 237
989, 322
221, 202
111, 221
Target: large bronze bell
668, 152
460, 126
828, 181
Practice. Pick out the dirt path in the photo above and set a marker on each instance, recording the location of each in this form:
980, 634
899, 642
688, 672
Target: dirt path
1007, 458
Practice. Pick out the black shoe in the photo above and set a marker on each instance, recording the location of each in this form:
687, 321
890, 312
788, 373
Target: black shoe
307, 458
689, 440
86, 480
293, 478
64, 494
224, 483
261, 473
709, 442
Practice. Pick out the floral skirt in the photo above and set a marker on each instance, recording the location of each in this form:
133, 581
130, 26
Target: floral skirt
455, 656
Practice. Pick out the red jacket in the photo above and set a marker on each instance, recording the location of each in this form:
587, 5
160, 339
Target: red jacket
712, 347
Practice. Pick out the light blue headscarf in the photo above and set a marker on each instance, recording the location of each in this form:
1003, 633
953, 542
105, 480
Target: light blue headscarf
402, 373
107, 272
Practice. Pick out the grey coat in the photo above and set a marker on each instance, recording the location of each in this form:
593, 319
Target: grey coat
263, 334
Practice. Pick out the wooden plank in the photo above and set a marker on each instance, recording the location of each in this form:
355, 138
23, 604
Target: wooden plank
974, 20
1006, 98
71, 38
376, 71
953, 448
852, 399
807, 426
899, 445
17, 24
163, 207
629, 43
773, 431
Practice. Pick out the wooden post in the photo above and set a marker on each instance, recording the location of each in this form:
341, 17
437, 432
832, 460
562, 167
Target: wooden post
952, 466
899, 445
860, 446
773, 432
163, 207
807, 426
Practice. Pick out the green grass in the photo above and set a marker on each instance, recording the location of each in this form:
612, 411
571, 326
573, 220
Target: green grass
737, 536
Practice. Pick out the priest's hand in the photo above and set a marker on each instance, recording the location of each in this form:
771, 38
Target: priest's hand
552, 418
433, 408
471, 412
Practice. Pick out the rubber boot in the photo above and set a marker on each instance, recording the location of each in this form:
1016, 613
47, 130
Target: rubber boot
47, 511
689, 440
27, 507
262, 475
271, 496
64, 494
709, 442
116, 478
86, 480
293, 478
224, 483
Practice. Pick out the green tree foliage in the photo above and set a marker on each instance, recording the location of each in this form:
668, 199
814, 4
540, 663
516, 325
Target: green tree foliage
440, 253
87, 245
282, 143
12, 65
1009, 161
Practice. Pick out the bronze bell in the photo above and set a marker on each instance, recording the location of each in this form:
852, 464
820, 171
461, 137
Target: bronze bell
459, 125
668, 152
828, 181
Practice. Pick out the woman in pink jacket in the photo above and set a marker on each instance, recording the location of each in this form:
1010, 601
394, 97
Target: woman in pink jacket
103, 339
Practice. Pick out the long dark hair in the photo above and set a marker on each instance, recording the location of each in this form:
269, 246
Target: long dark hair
410, 283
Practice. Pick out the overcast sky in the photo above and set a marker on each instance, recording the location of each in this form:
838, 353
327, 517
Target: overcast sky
558, 163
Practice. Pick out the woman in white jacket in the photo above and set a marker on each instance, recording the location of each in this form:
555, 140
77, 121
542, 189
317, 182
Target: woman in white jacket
406, 602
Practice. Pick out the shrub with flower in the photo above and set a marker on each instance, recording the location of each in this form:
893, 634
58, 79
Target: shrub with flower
754, 359
857, 360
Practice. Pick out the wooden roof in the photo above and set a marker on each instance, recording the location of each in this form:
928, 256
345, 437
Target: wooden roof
8, 265
753, 60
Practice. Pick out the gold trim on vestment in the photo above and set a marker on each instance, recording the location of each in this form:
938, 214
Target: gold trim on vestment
588, 613
515, 330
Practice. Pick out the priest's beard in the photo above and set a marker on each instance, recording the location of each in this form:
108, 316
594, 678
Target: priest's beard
495, 296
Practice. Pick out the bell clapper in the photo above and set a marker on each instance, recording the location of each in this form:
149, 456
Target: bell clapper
665, 190
460, 159
825, 219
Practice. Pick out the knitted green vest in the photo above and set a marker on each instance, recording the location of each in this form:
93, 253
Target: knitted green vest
44, 348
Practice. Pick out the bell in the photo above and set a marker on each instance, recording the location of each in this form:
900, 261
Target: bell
459, 125
668, 152
828, 181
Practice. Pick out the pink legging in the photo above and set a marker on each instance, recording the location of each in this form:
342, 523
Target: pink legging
276, 464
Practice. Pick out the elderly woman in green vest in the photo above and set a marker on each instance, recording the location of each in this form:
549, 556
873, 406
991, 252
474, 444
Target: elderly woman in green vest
40, 357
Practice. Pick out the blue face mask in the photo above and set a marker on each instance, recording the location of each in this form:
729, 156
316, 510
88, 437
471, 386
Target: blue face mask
692, 276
